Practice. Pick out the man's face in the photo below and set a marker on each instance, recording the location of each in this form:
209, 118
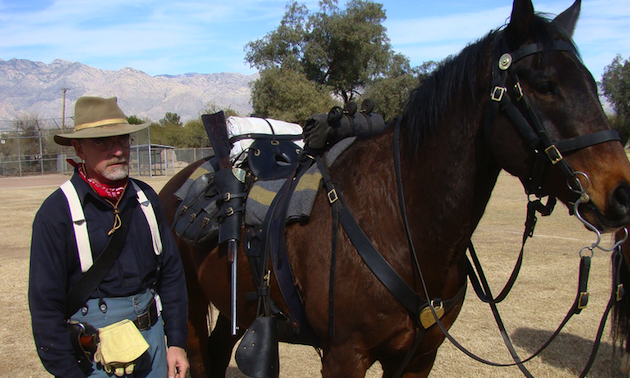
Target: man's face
106, 159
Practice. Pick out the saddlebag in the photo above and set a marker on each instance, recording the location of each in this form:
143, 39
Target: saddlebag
196, 220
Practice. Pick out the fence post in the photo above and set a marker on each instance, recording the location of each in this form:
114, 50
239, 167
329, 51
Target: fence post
149, 149
165, 160
41, 152
19, 155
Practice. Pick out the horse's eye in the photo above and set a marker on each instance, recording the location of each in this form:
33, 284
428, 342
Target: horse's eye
544, 88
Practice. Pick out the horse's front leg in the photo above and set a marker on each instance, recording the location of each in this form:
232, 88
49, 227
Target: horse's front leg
344, 360
421, 364
420, 367
220, 346
198, 307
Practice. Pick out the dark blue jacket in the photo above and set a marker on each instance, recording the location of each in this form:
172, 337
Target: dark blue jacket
55, 269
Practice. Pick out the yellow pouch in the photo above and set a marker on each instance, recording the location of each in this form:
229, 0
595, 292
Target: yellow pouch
121, 343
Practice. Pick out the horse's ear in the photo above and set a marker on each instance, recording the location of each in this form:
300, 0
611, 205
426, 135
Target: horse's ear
568, 19
522, 14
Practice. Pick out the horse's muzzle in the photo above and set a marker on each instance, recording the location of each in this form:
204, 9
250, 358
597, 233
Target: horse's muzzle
615, 215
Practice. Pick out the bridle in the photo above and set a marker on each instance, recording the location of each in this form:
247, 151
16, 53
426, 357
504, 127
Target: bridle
547, 153
525, 119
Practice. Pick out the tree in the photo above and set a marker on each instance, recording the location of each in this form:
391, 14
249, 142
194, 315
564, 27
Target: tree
287, 95
339, 50
168, 134
616, 87
170, 119
212, 107
390, 93
135, 120
28, 127
195, 134
168, 131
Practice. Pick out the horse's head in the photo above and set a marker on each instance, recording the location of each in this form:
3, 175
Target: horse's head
545, 123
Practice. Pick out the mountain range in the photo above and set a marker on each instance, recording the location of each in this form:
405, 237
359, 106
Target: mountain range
30, 88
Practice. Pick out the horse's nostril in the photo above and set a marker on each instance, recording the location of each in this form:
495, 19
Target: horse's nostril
620, 201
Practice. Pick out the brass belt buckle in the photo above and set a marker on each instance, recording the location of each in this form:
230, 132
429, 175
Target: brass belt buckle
426, 316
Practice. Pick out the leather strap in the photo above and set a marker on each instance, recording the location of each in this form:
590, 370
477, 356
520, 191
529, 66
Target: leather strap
374, 260
274, 245
266, 136
149, 318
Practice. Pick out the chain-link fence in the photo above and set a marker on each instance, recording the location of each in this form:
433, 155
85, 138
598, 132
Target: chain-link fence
35, 152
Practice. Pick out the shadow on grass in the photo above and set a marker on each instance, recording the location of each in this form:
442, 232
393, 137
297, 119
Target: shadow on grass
570, 352
233, 372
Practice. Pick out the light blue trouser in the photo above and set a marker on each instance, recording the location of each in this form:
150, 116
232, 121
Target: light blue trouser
152, 364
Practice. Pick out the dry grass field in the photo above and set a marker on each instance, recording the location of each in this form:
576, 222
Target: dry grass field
543, 293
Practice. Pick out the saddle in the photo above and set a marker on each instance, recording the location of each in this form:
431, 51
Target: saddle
269, 156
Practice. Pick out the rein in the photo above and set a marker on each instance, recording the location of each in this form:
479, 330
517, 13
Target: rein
482, 288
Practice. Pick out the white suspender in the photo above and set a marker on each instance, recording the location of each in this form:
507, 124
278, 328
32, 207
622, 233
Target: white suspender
149, 213
80, 223
147, 209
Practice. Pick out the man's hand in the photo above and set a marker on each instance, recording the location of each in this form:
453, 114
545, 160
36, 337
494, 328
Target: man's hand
177, 362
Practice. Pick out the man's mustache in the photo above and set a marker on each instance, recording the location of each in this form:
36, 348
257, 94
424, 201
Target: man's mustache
117, 161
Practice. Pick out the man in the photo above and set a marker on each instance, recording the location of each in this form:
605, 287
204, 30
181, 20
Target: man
145, 278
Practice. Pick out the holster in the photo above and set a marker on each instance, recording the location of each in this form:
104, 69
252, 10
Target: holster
84, 338
230, 184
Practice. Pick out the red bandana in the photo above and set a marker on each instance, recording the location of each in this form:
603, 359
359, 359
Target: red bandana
110, 192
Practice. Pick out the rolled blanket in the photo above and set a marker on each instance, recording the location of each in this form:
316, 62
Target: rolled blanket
238, 126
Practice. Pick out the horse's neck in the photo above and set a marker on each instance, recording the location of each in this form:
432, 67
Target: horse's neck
447, 186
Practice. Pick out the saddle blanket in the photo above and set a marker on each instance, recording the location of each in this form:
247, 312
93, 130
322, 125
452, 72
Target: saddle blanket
262, 193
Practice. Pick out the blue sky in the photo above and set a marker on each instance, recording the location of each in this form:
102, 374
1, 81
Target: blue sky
208, 36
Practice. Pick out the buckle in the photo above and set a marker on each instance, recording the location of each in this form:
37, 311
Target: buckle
557, 156
148, 319
497, 94
426, 316
519, 91
332, 196
583, 301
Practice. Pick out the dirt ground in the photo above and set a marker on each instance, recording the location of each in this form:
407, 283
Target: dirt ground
543, 293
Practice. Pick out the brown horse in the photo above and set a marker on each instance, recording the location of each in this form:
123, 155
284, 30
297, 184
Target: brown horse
453, 144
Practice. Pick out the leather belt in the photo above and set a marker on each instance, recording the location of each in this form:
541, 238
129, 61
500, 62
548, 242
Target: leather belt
148, 319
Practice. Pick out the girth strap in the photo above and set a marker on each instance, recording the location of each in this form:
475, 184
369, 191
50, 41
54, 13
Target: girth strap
274, 249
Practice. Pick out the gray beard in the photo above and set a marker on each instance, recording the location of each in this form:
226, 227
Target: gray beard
116, 174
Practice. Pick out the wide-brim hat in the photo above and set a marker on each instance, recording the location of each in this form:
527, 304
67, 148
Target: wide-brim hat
96, 117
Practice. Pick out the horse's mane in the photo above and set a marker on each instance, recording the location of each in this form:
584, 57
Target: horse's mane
455, 83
